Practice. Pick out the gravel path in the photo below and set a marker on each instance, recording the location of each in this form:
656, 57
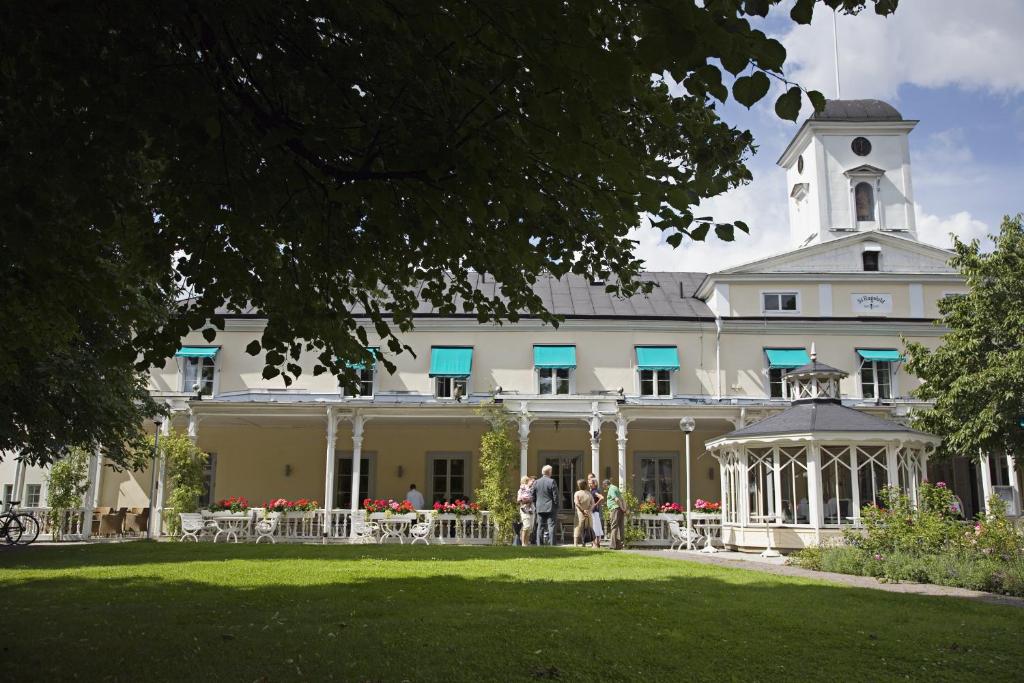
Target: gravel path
777, 566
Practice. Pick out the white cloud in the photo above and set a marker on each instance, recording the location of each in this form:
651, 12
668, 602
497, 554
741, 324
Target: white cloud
929, 43
761, 205
935, 230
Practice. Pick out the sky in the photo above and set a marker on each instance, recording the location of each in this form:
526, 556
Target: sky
956, 65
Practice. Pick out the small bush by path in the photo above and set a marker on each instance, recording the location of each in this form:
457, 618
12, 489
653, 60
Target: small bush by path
928, 543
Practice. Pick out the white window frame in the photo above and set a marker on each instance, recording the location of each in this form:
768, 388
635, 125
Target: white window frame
215, 388
8, 496
451, 382
768, 383
780, 293
893, 389
656, 394
678, 495
37, 489
373, 384
467, 483
571, 380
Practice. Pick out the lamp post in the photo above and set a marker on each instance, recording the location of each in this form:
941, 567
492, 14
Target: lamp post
153, 482
688, 424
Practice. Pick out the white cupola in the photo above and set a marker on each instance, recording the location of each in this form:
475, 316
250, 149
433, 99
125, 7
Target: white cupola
848, 170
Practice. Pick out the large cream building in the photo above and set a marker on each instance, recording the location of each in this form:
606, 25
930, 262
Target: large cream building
605, 392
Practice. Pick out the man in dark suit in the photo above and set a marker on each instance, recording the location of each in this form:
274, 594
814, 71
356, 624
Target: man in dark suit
546, 500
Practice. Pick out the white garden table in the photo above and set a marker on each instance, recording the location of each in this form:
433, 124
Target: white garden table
230, 524
395, 526
709, 527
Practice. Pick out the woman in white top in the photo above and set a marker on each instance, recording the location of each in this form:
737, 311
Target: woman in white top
595, 492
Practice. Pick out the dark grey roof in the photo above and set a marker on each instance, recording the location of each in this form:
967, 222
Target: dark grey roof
815, 366
574, 296
819, 417
857, 110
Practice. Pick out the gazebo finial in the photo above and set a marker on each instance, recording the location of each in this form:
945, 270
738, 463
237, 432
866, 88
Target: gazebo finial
814, 354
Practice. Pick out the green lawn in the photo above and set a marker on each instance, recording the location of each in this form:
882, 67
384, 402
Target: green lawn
146, 611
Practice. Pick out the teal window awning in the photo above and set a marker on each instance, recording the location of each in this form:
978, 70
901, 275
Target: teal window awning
198, 352
891, 355
451, 361
360, 365
787, 358
657, 358
556, 357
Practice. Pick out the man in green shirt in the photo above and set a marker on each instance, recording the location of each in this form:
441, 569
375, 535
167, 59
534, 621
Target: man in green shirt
616, 513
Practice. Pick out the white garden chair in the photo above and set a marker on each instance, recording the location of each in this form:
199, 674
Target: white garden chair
420, 531
265, 528
192, 525
682, 536
364, 531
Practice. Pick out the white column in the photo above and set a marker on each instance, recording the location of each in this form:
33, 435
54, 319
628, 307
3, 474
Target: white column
157, 505
855, 481
357, 460
777, 478
891, 466
524, 441
622, 434
97, 492
986, 480
814, 485
722, 475
89, 500
743, 487
1011, 467
329, 478
595, 446
19, 481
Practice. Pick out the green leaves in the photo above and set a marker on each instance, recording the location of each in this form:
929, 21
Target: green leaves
750, 89
803, 11
330, 188
975, 375
787, 106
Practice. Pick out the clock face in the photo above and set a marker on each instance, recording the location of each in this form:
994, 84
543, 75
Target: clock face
800, 164
861, 147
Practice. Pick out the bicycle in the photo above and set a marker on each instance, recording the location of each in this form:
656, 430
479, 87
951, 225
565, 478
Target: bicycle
18, 528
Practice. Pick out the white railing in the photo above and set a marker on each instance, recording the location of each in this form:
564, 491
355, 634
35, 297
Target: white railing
656, 530
336, 526
71, 523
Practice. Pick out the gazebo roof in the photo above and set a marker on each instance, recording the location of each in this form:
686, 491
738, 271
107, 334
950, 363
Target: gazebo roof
811, 417
818, 368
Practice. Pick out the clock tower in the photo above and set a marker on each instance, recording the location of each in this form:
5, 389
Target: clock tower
847, 171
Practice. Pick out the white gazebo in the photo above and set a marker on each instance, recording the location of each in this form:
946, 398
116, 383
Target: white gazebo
802, 475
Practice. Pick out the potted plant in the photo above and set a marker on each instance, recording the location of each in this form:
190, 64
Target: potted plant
707, 507
236, 505
671, 509
460, 512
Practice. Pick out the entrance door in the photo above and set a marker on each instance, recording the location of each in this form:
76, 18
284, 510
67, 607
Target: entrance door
566, 468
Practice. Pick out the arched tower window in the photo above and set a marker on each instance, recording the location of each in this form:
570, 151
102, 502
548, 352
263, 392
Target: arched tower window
864, 198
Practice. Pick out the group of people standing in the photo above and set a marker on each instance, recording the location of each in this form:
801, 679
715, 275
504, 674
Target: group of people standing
539, 503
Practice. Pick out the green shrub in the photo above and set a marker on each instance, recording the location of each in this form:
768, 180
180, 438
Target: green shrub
498, 461
901, 527
66, 483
